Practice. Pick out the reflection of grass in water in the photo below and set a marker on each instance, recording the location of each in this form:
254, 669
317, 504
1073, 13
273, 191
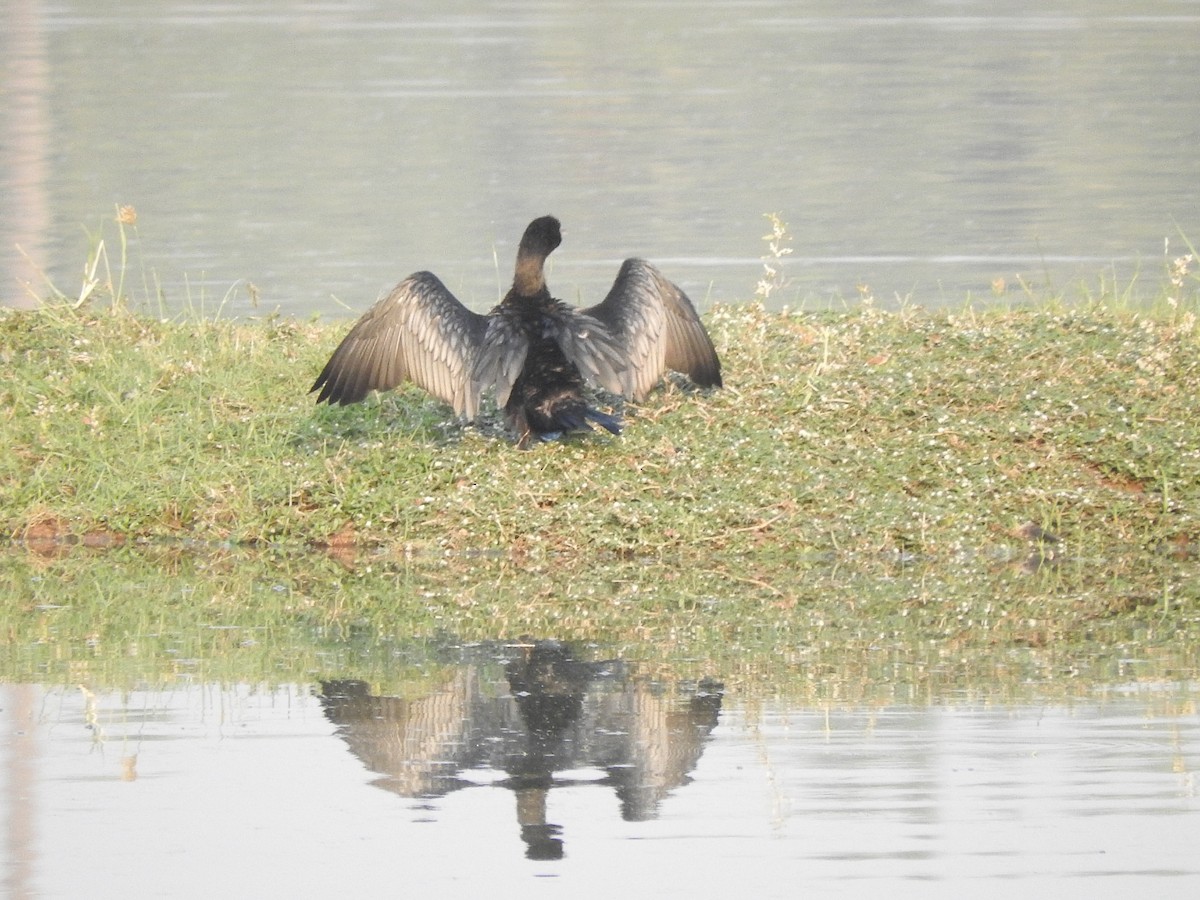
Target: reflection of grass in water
857, 629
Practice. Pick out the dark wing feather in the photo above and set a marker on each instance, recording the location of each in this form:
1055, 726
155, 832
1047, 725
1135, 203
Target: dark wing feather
658, 327
501, 357
419, 332
588, 343
584, 341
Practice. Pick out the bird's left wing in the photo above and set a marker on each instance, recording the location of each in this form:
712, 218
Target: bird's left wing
419, 332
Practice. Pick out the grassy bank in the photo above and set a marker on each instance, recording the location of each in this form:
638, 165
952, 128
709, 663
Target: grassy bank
932, 434
874, 492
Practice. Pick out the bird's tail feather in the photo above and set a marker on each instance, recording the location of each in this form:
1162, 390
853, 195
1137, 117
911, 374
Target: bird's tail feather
604, 420
581, 418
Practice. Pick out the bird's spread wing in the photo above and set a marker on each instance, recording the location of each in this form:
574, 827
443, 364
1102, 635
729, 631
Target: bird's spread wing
419, 332
656, 324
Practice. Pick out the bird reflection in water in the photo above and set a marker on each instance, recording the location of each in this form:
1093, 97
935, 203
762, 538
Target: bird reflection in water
559, 713
548, 685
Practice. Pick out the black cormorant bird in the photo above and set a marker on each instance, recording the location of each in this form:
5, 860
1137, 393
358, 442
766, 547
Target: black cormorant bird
534, 352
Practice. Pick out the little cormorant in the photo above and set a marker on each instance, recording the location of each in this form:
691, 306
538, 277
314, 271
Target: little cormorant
535, 353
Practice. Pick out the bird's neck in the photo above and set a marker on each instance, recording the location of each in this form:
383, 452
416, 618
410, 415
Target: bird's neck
530, 279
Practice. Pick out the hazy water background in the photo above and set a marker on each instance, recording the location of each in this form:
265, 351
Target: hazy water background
325, 150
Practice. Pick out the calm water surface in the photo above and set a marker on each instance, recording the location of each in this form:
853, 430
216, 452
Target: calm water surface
531, 776
307, 156
319, 152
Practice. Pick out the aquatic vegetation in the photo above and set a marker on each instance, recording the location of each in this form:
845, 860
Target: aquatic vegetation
842, 628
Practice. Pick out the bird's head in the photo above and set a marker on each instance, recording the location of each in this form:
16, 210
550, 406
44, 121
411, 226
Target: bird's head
541, 237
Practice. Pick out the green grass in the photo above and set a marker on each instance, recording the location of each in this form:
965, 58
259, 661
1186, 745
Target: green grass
929, 494
934, 434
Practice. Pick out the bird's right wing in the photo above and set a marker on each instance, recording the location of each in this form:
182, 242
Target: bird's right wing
419, 332
656, 324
